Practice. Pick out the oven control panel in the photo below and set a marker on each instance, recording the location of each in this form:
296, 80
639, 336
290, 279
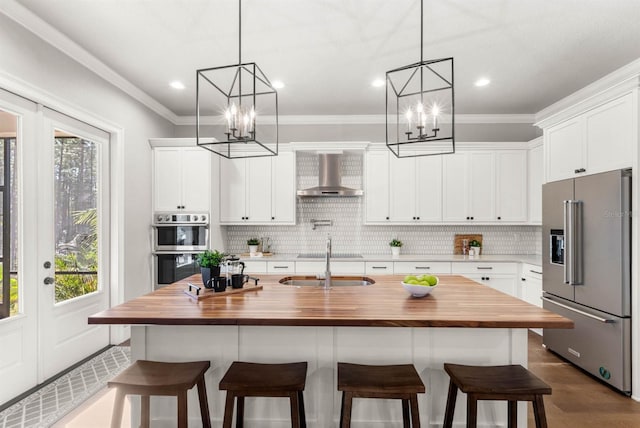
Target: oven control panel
168, 218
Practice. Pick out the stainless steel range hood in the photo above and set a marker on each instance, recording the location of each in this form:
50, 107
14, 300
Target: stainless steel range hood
329, 179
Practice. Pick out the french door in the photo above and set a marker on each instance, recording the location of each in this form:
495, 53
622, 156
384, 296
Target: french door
73, 237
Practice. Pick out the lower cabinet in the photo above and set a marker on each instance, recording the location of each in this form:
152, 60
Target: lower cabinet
531, 284
337, 267
435, 268
499, 276
378, 268
254, 266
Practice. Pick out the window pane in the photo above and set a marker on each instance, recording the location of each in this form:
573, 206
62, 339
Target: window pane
76, 218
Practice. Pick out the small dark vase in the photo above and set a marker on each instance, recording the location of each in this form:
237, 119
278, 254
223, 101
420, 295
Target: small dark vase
208, 273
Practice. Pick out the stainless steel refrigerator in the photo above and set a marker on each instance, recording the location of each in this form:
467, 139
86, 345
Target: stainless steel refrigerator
586, 242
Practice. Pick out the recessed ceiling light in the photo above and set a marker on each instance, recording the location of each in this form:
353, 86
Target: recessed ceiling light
277, 84
483, 81
176, 84
377, 83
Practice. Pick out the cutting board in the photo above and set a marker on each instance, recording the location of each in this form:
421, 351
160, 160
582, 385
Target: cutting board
205, 293
457, 241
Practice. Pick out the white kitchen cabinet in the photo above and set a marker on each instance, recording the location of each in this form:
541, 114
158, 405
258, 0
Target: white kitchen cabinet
337, 267
531, 284
535, 171
378, 268
252, 267
182, 179
407, 190
258, 190
281, 267
597, 140
499, 276
434, 268
485, 187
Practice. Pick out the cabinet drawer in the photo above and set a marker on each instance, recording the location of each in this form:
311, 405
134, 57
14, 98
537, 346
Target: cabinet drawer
254, 266
380, 268
280, 267
404, 268
310, 267
351, 268
532, 271
484, 267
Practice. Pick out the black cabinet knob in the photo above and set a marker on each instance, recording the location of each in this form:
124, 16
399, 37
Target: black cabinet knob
418, 218
387, 218
471, 218
499, 218
467, 217
523, 279
273, 218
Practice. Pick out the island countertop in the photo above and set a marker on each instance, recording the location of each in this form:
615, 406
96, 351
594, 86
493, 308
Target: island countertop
456, 302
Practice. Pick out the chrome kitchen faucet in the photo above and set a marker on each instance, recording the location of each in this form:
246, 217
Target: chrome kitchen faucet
327, 271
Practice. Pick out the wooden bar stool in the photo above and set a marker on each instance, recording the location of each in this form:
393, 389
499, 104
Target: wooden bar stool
396, 381
264, 380
146, 378
511, 383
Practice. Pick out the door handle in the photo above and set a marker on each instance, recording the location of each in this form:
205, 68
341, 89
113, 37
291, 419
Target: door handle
586, 314
49, 280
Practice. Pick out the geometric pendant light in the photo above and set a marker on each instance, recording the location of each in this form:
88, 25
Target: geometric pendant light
420, 106
245, 107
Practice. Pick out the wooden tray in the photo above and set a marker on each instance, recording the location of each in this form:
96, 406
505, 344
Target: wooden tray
247, 255
457, 242
205, 293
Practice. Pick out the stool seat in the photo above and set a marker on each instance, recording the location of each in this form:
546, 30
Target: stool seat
511, 383
245, 379
511, 379
389, 381
146, 378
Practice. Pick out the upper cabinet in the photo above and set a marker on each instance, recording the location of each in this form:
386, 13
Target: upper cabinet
535, 172
182, 179
485, 187
407, 190
598, 140
258, 190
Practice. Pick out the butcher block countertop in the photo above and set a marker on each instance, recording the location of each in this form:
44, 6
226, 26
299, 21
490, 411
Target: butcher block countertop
455, 302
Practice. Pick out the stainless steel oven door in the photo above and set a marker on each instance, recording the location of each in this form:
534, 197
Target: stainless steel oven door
181, 237
172, 267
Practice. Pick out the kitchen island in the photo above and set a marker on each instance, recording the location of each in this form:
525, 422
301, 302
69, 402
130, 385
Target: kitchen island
461, 321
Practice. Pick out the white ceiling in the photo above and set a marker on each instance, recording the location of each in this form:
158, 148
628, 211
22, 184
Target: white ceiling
328, 51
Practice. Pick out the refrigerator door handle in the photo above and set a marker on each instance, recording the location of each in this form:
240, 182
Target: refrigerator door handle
573, 244
586, 314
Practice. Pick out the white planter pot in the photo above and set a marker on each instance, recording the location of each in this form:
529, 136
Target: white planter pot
253, 249
395, 251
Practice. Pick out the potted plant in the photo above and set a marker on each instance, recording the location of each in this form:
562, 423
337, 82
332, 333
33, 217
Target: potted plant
475, 246
395, 245
253, 245
209, 262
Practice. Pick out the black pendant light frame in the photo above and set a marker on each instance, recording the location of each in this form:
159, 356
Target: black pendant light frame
238, 143
422, 141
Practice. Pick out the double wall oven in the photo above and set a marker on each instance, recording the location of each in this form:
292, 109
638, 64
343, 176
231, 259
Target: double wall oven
178, 238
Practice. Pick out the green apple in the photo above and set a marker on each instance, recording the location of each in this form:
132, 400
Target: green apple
412, 281
409, 278
432, 280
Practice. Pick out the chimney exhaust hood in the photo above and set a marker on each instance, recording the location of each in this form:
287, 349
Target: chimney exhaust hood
330, 179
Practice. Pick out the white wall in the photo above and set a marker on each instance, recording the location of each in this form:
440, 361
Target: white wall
30, 60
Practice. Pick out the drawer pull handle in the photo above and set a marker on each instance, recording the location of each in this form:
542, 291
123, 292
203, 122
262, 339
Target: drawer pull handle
423, 267
484, 267
534, 271
586, 314
378, 267
281, 267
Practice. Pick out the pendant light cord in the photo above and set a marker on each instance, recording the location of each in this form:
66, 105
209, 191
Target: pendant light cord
421, 29
239, 31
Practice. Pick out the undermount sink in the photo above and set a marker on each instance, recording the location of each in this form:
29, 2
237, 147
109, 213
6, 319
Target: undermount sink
335, 281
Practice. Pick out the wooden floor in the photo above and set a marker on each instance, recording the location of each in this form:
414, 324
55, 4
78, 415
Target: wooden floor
578, 400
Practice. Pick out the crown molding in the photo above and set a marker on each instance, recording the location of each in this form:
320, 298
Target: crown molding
536, 142
364, 119
55, 38
615, 84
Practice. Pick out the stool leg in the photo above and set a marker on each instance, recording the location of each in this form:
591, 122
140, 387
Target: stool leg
512, 414
240, 412
346, 415
451, 405
538, 411
204, 404
341, 410
415, 415
303, 417
145, 411
183, 420
295, 409
472, 411
406, 421
118, 404
228, 410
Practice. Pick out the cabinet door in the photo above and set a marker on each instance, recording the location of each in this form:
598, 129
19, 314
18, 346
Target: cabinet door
481, 194
505, 284
167, 179
454, 187
429, 188
402, 179
564, 149
258, 201
232, 190
196, 179
511, 186
283, 188
376, 191
535, 171
532, 290
609, 136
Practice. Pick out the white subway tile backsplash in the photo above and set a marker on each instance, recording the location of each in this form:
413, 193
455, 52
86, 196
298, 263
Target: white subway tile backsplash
350, 235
